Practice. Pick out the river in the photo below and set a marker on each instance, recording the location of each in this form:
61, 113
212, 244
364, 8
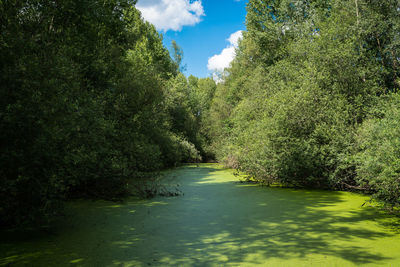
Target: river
219, 221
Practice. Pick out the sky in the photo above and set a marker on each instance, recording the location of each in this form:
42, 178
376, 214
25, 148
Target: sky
206, 30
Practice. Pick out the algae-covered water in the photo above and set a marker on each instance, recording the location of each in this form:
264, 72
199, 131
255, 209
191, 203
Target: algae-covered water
218, 222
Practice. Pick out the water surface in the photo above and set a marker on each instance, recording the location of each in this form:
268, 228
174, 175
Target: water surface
218, 222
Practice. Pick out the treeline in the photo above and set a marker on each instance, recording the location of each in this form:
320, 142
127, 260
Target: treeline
89, 97
311, 99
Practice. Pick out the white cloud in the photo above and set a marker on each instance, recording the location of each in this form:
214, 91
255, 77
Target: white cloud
171, 14
221, 61
218, 63
234, 38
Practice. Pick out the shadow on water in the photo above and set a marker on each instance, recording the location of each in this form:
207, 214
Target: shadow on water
217, 222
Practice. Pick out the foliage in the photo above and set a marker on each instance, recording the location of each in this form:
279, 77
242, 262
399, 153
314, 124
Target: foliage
86, 103
188, 101
378, 154
90, 98
306, 76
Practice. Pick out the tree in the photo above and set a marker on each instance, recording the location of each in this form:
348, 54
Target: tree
306, 75
82, 104
177, 55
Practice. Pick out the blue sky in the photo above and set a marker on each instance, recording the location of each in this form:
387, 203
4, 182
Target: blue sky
201, 29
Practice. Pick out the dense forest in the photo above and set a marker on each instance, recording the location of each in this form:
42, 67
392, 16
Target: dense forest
90, 98
311, 99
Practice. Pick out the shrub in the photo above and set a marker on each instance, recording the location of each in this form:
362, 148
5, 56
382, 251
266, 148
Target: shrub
378, 158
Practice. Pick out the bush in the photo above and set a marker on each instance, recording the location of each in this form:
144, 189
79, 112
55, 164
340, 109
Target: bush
378, 158
189, 152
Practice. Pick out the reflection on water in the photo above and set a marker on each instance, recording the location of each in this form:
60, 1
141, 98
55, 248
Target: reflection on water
217, 222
